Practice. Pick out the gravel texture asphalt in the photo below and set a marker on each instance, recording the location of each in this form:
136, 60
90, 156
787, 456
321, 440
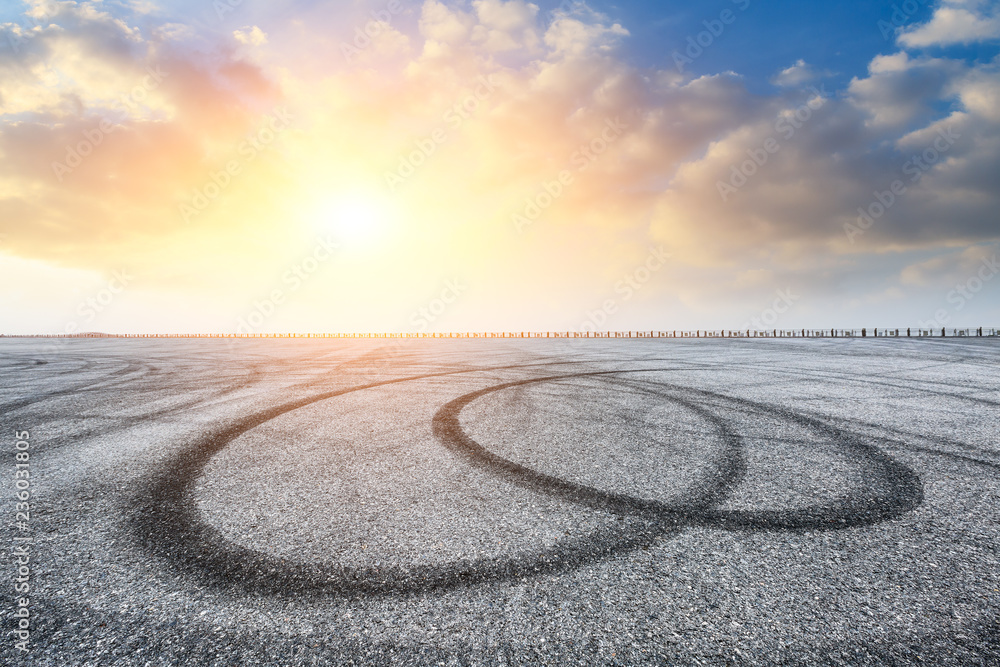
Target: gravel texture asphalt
300, 502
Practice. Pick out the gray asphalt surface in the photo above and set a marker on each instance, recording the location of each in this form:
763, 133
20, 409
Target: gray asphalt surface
299, 502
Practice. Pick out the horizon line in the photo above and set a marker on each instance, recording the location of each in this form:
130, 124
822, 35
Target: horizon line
864, 332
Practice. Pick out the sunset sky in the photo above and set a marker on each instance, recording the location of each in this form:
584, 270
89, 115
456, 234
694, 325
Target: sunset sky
487, 165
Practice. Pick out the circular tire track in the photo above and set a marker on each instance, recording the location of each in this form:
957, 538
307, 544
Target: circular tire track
165, 519
166, 522
891, 489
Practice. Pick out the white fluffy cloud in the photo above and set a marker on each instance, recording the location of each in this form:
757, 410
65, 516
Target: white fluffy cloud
582, 31
507, 26
798, 74
250, 36
900, 90
956, 22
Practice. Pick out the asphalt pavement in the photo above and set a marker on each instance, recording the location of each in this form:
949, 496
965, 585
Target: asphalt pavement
594, 502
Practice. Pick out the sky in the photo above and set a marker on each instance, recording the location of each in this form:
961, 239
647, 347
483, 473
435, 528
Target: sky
482, 165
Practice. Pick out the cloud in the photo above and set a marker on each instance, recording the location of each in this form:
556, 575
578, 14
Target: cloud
900, 90
582, 31
956, 22
950, 267
101, 129
515, 100
73, 56
798, 74
440, 24
837, 158
250, 36
506, 26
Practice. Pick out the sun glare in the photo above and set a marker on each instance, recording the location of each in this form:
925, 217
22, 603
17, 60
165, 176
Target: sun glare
354, 217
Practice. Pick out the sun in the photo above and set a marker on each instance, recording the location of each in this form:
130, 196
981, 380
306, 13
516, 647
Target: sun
356, 217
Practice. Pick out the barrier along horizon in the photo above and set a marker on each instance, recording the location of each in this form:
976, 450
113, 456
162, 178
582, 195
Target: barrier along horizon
980, 332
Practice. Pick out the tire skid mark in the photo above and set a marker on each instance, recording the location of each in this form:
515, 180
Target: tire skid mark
110, 379
893, 489
895, 435
166, 521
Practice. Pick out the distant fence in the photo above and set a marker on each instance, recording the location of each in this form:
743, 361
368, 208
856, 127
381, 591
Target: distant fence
719, 333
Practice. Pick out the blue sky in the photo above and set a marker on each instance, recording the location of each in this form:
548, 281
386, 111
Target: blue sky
767, 36
841, 37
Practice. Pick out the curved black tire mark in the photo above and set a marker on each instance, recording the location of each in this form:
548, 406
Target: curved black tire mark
112, 378
728, 469
167, 522
892, 489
